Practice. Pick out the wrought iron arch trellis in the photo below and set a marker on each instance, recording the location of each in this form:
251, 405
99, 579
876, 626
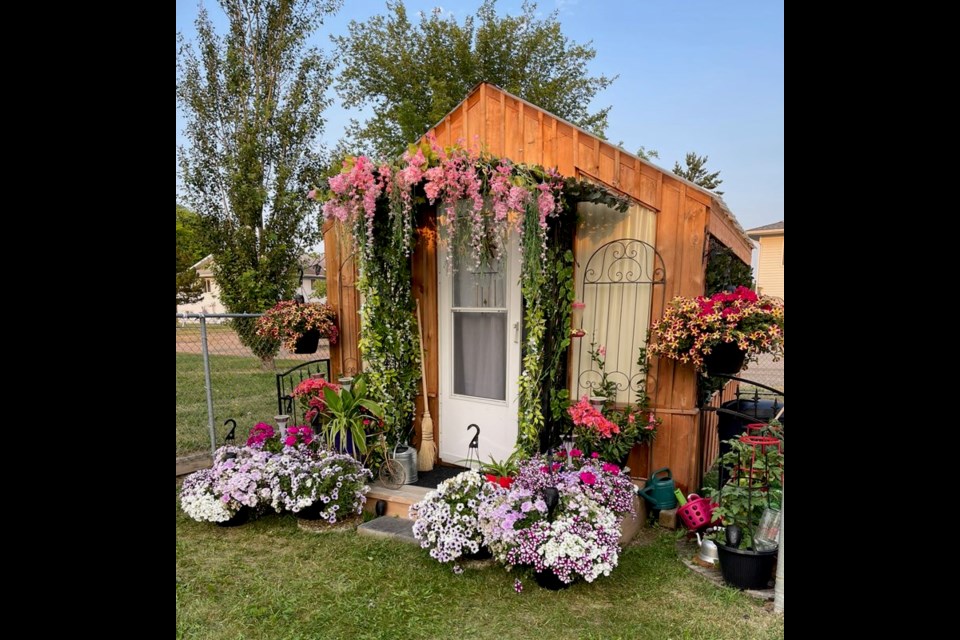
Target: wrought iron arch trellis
615, 276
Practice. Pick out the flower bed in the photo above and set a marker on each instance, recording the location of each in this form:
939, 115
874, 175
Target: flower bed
289, 474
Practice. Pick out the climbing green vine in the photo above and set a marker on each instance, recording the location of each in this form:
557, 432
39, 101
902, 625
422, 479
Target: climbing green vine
480, 200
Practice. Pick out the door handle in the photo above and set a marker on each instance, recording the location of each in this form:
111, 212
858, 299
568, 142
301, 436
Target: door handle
516, 332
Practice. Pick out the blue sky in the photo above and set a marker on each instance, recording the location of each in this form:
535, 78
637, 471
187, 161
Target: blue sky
694, 75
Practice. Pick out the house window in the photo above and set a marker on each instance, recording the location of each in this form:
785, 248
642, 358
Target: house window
207, 284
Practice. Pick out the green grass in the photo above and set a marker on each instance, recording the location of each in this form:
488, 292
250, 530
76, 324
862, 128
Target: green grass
242, 391
268, 579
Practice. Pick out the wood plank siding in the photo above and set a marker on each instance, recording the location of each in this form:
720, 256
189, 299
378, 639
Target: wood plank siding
505, 125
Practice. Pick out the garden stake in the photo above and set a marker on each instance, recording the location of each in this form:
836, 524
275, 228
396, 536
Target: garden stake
428, 449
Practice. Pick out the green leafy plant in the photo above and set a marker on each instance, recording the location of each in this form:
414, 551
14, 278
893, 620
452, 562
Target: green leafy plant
349, 412
744, 497
504, 468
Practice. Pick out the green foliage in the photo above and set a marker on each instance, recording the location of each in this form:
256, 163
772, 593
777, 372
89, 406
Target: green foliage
388, 331
346, 412
504, 468
725, 269
741, 501
648, 154
532, 282
253, 99
319, 291
696, 172
189, 252
414, 73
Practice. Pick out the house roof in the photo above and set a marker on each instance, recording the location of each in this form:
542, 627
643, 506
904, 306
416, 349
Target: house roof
718, 205
774, 229
314, 266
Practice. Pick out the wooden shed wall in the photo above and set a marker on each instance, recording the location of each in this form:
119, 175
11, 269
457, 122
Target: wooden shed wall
505, 125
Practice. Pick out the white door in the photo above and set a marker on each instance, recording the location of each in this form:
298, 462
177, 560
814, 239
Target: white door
480, 329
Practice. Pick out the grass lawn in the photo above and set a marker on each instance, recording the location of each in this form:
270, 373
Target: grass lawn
242, 391
268, 579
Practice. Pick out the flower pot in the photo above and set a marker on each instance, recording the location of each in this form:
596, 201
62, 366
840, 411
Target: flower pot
242, 516
726, 357
502, 481
308, 342
312, 512
744, 568
547, 579
483, 553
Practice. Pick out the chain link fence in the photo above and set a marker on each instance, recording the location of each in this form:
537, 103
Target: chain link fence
242, 386
766, 372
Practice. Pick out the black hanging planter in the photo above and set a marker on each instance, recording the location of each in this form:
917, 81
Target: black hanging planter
726, 357
744, 568
308, 342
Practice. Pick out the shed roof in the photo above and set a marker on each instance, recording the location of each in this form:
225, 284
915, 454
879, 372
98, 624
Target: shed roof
502, 124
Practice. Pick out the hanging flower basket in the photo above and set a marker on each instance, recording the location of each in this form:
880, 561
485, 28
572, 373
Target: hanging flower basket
308, 342
726, 357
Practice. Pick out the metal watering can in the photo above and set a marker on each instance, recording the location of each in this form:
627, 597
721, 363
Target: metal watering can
408, 460
658, 491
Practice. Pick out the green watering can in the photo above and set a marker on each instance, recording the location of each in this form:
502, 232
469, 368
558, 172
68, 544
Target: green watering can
658, 491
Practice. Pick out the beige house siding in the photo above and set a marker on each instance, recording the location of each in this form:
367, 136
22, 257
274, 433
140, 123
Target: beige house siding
770, 266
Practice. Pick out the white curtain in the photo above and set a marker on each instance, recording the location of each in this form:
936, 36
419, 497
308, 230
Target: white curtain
480, 354
617, 316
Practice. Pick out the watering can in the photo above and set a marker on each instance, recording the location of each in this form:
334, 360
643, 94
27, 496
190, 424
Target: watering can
658, 491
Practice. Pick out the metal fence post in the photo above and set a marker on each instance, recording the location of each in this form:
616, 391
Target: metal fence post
778, 589
207, 383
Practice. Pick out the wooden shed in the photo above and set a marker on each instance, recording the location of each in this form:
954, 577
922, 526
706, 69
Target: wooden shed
665, 233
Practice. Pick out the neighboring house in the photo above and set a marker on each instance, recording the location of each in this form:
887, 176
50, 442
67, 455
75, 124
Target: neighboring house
769, 239
628, 265
314, 272
210, 302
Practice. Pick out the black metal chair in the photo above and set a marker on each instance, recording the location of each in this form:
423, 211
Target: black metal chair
288, 380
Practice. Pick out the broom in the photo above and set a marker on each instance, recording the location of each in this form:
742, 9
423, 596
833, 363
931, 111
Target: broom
428, 450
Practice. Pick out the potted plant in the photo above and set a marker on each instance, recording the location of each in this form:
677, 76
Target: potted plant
299, 326
347, 416
742, 502
317, 486
559, 519
445, 521
718, 334
605, 429
501, 473
309, 393
229, 492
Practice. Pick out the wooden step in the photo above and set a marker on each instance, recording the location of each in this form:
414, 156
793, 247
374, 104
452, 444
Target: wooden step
398, 500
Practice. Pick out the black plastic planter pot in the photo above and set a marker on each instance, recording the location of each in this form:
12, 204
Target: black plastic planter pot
745, 569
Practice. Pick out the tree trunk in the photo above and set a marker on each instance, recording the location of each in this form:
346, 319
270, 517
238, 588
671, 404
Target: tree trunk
267, 363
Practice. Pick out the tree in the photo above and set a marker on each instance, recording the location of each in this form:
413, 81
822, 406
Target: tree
189, 251
647, 154
414, 74
696, 172
253, 100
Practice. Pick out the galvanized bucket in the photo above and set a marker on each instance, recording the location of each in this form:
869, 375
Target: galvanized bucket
407, 457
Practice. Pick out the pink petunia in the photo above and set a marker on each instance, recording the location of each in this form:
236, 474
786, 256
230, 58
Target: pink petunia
575, 453
290, 441
588, 478
594, 455
611, 469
